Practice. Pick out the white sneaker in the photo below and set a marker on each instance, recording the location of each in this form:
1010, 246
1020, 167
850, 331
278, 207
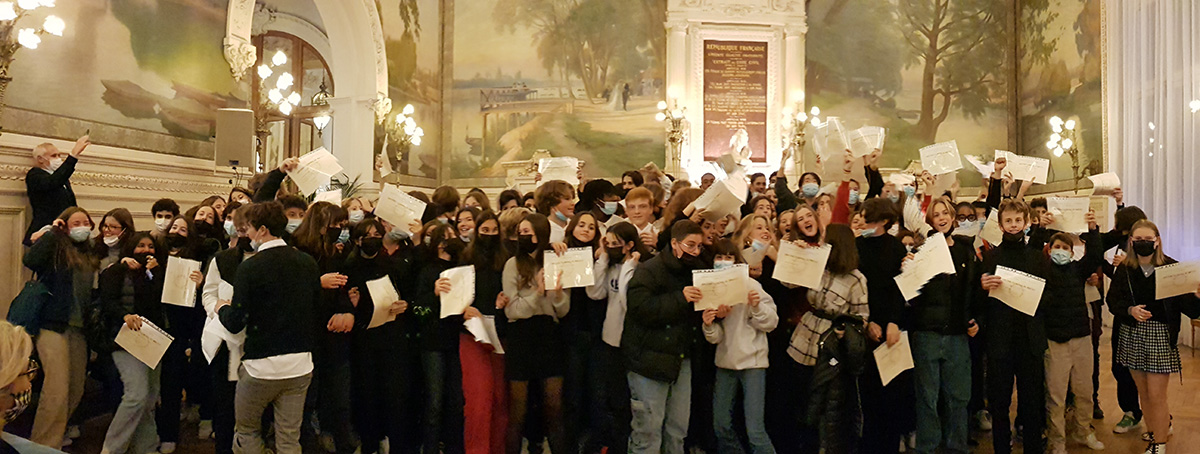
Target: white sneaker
206, 429
1156, 448
166, 448
73, 432
1090, 441
985, 420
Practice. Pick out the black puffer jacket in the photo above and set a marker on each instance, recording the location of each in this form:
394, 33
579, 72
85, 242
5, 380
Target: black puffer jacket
1063, 302
948, 302
661, 326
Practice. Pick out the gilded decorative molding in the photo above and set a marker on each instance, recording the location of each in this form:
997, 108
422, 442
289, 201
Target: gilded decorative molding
12, 172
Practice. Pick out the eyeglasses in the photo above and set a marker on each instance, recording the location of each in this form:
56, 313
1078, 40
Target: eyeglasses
690, 246
966, 218
111, 228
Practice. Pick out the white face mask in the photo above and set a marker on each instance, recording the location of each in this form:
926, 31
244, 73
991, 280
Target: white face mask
162, 224
55, 164
722, 264
111, 241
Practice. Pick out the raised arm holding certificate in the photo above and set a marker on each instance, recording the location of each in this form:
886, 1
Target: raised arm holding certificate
1070, 213
724, 287
383, 294
178, 287
146, 344
397, 207
933, 259
1019, 290
1025, 168
1176, 279
314, 170
462, 290
941, 158
865, 140
1105, 183
720, 199
801, 266
565, 169
576, 266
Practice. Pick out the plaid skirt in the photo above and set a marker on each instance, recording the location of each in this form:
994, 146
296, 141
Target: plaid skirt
1146, 346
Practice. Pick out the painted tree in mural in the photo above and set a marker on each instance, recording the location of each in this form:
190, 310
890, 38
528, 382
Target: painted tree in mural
962, 47
828, 68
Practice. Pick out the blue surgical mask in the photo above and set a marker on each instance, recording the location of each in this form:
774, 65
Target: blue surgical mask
895, 198
870, 233
909, 191
810, 189
1026, 232
397, 234
344, 236
292, 225
609, 208
255, 244
80, 234
1060, 257
561, 217
722, 264
229, 228
966, 228
356, 216
758, 245
853, 197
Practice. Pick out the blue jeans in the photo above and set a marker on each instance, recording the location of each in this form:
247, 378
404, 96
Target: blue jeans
753, 383
443, 402
133, 424
660, 412
942, 368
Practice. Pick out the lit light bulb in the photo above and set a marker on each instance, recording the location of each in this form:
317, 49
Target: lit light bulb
1151, 125
1067, 143
1051, 145
285, 81
787, 112
1058, 152
409, 129
321, 122
662, 105
408, 109
274, 95
1057, 128
264, 71
294, 98
54, 25
28, 37
815, 111
416, 141
1151, 154
28, 5
400, 119
1194, 105
409, 122
1070, 125
279, 58
1055, 120
7, 11
1151, 140
660, 116
285, 108
419, 132
1055, 137
801, 117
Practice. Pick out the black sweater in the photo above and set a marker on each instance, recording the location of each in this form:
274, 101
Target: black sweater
948, 302
879, 260
359, 271
147, 294
1063, 301
1131, 287
1001, 322
275, 308
437, 334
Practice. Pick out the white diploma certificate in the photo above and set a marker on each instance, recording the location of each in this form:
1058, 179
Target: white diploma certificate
895, 359
462, 290
398, 208
720, 199
383, 294
933, 259
1176, 279
315, 169
334, 197
1103, 184
146, 344
991, 229
484, 330
1070, 213
178, 287
800, 266
830, 138
565, 169
941, 158
865, 140
1027, 168
576, 266
724, 287
1019, 290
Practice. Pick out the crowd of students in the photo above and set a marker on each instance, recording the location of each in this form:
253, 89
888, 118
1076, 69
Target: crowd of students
282, 312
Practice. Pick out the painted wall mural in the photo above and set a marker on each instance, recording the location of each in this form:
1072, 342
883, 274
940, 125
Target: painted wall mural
148, 65
412, 35
576, 77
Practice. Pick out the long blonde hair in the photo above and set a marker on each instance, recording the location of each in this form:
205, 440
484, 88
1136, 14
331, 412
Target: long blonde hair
747, 224
15, 349
1131, 257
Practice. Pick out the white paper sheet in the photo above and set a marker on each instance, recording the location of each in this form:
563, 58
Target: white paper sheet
614, 220
721, 287
146, 344
941, 158
334, 197
933, 259
1070, 213
992, 233
830, 138
801, 266
484, 330
576, 265
901, 179
462, 290
1176, 279
1027, 168
383, 294
720, 199
1019, 290
984, 168
178, 287
894, 360
397, 207
865, 140
315, 170
754, 254
210, 342
1103, 184
565, 169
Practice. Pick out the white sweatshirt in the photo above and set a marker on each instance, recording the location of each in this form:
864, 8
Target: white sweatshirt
741, 337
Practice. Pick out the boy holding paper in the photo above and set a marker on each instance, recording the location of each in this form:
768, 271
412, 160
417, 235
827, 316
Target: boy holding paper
1016, 342
741, 339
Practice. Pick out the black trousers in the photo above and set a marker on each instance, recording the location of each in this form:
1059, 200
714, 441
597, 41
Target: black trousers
384, 381
787, 399
1097, 331
181, 370
617, 417
332, 361
1010, 356
1127, 394
978, 375
888, 411
223, 394
704, 383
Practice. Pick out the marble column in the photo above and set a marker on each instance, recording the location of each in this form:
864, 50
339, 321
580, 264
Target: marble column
794, 94
352, 136
676, 82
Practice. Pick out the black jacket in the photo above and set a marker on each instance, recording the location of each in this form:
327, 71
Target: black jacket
879, 261
1002, 324
49, 194
661, 326
948, 302
43, 259
358, 271
275, 308
270, 187
1131, 287
1063, 301
437, 334
147, 294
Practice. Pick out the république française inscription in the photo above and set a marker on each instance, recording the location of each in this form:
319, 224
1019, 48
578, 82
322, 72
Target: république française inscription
735, 96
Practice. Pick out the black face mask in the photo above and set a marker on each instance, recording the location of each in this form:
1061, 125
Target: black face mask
525, 244
511, 245
694, 262
371, 246
243, 243
176, 240
203, 229
487, 243
1014, 237
616, 255
332, 235
142, 257
1143, 248
454, 247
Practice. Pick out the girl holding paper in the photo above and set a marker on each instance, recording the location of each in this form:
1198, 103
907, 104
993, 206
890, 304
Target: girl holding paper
535, 349
1151, 327
439, 342
581, 331
184, 324
485, 390
129, 293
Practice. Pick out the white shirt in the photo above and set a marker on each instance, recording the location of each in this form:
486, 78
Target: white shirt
557, 232
281, 367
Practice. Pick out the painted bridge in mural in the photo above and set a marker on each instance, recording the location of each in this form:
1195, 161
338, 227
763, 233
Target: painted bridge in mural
521, 99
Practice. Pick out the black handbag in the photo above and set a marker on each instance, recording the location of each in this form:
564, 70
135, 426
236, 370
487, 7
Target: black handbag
26, 308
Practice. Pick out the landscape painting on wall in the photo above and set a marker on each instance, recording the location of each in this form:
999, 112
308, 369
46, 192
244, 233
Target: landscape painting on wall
147, 65
412, 36
578, 78
870, 62
1060, 57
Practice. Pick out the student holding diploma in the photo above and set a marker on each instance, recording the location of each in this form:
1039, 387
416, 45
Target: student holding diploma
130, 290
1016, 342
1151, 327
439, 342
581, 331
381, 356
942, 320
534, 347
741, 359
842, 299
485, 391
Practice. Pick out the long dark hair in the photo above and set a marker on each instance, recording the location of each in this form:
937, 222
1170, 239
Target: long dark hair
310, 237
481, 259
575, 242
626, 232
70, 254
528, 266
844, 256
123, 217
129, 246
